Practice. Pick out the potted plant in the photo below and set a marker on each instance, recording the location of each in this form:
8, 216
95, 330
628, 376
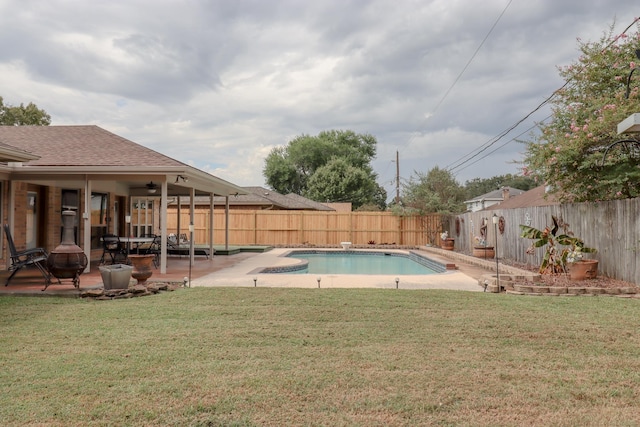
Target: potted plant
580, 268
561, 249
447, 242
481, 249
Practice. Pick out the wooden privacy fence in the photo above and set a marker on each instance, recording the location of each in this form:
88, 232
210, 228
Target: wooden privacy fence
610, 227
261, 227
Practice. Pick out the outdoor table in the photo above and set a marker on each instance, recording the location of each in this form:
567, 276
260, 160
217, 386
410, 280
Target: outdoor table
136, 240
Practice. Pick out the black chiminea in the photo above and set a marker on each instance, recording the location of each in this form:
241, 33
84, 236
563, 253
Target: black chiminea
67, 260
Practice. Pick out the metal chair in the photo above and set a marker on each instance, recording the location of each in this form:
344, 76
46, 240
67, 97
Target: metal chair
25, 258
154, 248
112, 247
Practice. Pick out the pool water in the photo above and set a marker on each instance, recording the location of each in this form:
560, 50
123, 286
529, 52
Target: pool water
361, 263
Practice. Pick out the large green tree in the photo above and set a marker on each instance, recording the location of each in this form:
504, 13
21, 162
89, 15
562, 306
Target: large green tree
334, 166
437, 191
568, 154
23, 116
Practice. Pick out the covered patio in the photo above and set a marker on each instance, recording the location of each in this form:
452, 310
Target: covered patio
29, 282
114, 185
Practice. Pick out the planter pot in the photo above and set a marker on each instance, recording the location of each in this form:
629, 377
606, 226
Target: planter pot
141, 267
484, 252
447, 244
116, 276
585, 269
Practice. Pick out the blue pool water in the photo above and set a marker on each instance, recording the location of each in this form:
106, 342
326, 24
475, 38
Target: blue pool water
353, 262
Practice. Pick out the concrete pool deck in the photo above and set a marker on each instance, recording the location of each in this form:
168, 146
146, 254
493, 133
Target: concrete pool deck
244, 272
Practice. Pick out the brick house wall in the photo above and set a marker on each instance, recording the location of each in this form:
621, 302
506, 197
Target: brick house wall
50, 207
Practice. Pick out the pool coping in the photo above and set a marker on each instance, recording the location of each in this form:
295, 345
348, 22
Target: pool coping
248, 273
436, 266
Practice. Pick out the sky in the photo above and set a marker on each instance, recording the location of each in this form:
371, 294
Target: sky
218, 84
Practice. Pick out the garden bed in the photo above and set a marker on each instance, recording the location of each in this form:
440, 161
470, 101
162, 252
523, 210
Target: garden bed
560, 284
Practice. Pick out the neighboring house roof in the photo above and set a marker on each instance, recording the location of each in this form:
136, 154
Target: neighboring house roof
263, 198
310, 203
534, 197
274, 198
495, 195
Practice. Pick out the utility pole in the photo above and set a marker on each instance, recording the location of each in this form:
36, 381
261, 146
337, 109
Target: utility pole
397, 178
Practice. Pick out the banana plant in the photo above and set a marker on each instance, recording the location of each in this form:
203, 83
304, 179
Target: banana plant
560, 248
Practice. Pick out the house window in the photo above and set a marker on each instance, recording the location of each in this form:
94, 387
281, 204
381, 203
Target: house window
99, 218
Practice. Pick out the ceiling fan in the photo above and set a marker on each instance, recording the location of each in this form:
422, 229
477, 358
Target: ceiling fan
151, 188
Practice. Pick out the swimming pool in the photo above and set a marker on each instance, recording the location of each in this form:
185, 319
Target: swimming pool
358, 262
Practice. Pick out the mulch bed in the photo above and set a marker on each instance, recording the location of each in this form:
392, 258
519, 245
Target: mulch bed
564, 280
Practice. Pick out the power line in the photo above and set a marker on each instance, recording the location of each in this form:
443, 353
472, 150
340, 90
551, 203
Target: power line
470, 59
446, 94
508, 142
504, 133
470, 156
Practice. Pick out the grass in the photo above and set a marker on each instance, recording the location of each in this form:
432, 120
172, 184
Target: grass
247, 356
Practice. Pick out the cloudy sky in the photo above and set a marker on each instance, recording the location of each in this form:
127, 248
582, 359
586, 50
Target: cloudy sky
217, 84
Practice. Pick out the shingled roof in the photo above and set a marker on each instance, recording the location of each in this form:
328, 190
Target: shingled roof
534, 197
496, 195
260, 197
89, 145
73, 153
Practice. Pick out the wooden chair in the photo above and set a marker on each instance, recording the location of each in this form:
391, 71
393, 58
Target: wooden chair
25, 258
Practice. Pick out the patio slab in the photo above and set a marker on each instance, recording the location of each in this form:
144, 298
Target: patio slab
240, 269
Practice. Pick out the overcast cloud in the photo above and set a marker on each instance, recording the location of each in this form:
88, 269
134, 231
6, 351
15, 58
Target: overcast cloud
218, 84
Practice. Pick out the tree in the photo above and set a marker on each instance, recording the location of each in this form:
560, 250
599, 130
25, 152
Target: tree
22, 116
478, 186
568, 154
437, 191
333, 166
340, 181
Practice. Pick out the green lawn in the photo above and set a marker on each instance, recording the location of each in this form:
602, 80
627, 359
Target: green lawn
255, 356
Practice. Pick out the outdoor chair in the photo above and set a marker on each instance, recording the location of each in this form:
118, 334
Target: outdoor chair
173, 248
112, 248
20, 259
153, 248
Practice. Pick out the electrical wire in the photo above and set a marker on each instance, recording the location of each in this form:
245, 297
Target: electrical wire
470, 60
448, 91
515, 138
470, 156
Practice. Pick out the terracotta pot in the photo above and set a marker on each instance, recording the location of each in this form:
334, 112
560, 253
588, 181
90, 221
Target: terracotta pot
584, 269
483, 252
141, 267
447, 244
